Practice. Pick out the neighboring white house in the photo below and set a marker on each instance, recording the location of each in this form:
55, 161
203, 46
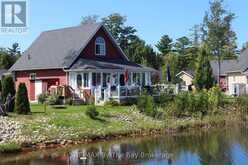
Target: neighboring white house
233, 75
187, 77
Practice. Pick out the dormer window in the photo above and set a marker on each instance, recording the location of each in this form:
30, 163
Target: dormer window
100, 47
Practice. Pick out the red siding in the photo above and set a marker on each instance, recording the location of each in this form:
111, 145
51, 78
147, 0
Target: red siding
49, 77
112, 51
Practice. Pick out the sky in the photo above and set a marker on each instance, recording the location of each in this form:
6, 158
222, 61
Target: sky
151, 18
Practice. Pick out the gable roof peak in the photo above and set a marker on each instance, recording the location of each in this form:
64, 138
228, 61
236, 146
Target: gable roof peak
60, 48
56, 48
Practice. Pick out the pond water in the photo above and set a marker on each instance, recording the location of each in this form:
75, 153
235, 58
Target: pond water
214, 147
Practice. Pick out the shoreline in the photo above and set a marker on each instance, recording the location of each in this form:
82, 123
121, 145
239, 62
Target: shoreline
57, 143
61, 128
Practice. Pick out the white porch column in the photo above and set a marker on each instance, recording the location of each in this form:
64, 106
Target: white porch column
101, 80
90, 80
72, 81
118, 78
111, 79
146, 78
119, 91
149, 78
131, 78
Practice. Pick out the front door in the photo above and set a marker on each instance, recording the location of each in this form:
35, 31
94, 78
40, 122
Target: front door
38, 88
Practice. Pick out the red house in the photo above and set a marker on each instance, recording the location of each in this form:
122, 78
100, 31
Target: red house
85, 57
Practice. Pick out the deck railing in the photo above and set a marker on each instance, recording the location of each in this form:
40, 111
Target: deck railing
159, 89
116, 92
121, 92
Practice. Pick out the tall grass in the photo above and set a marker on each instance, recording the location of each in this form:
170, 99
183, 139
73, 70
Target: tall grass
10, 148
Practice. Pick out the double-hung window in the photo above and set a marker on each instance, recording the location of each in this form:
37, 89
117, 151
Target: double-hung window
79, 81
100, 46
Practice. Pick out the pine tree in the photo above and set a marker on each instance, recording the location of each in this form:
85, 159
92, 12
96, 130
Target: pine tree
22, 105
8, 89
203, 73
165, 45
218, 34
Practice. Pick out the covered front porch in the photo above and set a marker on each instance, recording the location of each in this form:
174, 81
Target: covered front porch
104, 85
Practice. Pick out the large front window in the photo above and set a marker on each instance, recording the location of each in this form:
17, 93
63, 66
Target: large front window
79, 81
86, 80
100, 48
96, 79
136, 78
115, 79
105, 79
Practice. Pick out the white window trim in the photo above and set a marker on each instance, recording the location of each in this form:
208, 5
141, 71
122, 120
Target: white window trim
101, 44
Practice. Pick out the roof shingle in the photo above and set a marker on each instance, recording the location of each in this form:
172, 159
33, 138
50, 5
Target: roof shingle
56, 48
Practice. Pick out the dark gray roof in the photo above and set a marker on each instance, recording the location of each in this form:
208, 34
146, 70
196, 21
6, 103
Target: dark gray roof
56, 48
100, 64
228, 66
243, 60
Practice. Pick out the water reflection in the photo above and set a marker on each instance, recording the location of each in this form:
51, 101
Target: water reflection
215, 147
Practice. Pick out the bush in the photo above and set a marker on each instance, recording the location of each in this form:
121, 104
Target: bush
179, 106
68, 101
201, 103
22, 105
187, 103
215, 97
92, 112
8, 88
52, 99
163, 99
112, 102
129, 101
42, 98
242, 104
146, 105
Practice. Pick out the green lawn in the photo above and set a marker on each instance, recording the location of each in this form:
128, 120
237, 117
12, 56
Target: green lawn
72, 123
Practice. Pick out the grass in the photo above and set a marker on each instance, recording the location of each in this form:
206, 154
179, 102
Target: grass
72, 123
10, 148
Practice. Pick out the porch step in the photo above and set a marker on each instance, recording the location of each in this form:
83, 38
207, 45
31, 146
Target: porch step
78, 101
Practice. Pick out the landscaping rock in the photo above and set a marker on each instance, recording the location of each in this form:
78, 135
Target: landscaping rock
8, 129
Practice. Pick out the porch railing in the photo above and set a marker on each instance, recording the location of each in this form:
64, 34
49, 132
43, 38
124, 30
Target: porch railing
116, 92
120, 92
159, 89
